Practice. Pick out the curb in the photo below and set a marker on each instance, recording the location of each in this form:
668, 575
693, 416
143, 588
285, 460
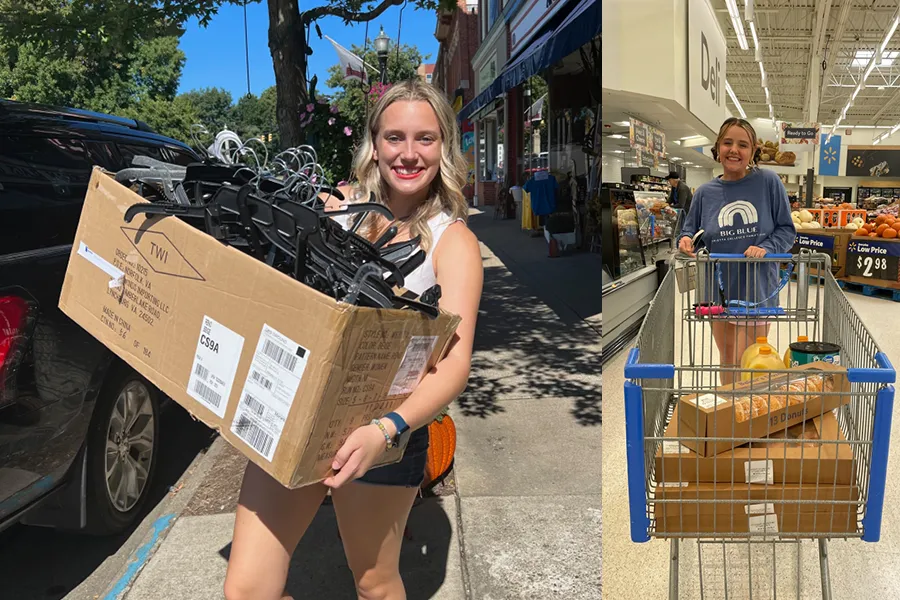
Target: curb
114, 577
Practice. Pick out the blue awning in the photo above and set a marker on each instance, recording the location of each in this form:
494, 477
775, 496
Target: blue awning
580, 26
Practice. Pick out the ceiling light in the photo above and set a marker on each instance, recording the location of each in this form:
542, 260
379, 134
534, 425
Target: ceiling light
674, 158
734, 99
616, 136
736, 23
753, 33
619, 151
890, 33
692, 137
624, 123
748, 11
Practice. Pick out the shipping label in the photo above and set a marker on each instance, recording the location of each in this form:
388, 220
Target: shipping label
413, 365
674, 447
760, 509
710, 401
269, 391
759, 471
215, 364
764, 524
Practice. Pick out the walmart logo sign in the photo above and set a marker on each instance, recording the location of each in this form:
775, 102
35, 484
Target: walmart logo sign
830, 156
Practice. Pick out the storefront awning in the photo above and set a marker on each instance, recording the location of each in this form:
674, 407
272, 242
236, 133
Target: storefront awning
579, 27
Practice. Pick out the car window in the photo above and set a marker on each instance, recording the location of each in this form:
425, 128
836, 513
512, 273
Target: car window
102, 154
180, 157
129, 151
42, 181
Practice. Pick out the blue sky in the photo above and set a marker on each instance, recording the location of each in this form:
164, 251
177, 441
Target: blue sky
216, 58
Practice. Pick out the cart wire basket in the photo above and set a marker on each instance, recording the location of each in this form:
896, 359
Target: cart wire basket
725, 453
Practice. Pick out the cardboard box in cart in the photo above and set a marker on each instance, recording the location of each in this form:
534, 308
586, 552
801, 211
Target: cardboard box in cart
756, 508
742, 410
283, 372
792, 455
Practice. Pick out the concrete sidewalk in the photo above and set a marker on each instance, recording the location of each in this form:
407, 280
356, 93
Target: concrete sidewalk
522, 518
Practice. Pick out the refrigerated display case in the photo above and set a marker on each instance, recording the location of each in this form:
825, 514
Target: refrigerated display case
624, 254
629, 282
658, 219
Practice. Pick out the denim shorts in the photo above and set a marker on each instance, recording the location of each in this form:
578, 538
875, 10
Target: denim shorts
410, 471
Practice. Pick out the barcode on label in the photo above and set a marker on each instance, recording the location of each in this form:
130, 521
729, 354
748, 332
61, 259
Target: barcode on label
201, 372
248, 431
261, 379
280, 355
207, 394
207, 327
255, 405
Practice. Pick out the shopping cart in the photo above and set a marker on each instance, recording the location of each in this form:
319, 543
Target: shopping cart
732, 483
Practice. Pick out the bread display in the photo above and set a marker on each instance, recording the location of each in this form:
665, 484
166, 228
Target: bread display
769, 153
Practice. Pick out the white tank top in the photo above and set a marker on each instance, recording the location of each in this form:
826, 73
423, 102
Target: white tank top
423, 277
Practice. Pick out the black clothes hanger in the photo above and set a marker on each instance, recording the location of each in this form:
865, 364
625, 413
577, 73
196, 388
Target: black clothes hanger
264, 217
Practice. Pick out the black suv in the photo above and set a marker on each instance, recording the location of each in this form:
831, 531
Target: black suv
78, 427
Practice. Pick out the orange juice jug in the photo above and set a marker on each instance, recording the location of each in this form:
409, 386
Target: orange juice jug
751, 352
766, 359
787, 353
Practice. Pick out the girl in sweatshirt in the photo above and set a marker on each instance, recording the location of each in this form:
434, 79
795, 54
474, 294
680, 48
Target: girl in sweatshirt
744, 211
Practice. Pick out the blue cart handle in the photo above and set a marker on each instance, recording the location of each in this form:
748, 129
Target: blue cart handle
741, 256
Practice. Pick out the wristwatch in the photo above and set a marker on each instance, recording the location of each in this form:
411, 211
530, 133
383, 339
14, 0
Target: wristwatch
403, 431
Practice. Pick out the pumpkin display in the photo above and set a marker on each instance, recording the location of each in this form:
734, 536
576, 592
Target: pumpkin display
441, 447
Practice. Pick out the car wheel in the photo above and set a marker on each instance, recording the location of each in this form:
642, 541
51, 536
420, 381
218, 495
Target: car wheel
122, 453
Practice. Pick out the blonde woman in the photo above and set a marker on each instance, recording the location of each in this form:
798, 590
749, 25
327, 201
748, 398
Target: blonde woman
743, 211
410, 159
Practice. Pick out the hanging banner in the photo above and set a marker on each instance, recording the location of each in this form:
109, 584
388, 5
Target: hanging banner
799, 137
647, 139
645, 158
830, 156
873, 161
352, 66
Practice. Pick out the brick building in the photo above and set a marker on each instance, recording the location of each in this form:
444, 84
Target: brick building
457, 32
426, 71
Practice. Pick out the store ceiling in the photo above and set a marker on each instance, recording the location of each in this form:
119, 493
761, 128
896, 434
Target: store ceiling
795, 37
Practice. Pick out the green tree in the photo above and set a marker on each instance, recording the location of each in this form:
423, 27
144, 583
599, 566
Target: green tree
172, 118
351, 97
99, 32
213, 106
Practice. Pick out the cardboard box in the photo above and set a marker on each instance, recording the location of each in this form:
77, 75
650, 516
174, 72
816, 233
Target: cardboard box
756, 508
283, 372
760, 407
791, 455
782, 520
839, 217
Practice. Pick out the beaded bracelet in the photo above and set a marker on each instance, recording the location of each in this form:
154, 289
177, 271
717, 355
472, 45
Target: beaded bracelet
387, 436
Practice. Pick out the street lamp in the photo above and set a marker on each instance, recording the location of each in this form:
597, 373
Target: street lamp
382, 45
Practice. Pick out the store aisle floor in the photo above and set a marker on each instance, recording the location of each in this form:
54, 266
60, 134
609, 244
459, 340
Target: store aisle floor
641, 571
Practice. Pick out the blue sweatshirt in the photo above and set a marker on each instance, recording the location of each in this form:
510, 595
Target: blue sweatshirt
753, 211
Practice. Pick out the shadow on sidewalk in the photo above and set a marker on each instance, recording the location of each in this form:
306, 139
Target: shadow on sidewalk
522, 350
319, 568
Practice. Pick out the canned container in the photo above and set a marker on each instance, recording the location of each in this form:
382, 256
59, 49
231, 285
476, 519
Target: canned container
803, 353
